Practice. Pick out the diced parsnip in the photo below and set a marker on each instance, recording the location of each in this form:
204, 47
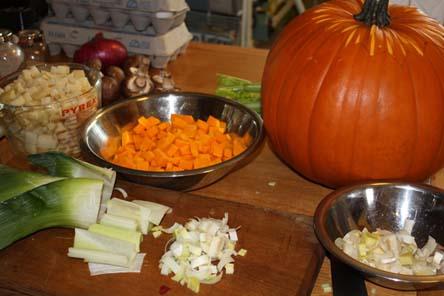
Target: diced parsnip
95, 256
131, 236
19, 101
8, 95
60, 69
84, 239
46, 142
78, 73
118, 221
39, 87
128, 209
158, 211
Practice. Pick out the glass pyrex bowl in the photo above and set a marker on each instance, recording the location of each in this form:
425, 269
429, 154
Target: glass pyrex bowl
54, 126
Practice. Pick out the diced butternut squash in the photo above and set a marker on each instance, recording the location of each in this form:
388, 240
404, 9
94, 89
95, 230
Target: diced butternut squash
182, 144
148, 122
213, 121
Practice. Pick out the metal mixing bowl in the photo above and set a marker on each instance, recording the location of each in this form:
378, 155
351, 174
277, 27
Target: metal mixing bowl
385, 206
110, 121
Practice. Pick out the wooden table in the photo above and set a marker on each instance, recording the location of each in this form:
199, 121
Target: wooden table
251, 184
266, 182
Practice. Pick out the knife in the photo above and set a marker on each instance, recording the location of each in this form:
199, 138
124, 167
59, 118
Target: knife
346, 280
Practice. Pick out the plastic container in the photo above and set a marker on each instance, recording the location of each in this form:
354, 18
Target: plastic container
139, 5
70, 35
52, 127
162, 15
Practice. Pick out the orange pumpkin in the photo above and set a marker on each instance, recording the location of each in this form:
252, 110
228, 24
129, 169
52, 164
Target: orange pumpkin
352, 94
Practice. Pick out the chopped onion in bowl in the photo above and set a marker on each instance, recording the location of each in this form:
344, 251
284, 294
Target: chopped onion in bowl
395, 252
200, 252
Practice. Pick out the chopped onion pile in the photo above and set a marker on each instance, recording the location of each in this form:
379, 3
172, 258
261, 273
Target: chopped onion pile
393, 252
201, 250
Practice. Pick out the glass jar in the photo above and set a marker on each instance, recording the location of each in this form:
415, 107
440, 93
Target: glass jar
55, 126
12, 57
33, 44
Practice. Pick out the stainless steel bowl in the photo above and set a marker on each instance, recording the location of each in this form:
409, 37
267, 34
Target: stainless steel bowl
109, 122
385, 206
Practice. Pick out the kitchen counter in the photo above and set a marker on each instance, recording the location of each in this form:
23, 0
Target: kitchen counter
266, 182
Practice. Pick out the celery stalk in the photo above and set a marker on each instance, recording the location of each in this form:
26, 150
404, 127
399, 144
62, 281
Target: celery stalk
65, 203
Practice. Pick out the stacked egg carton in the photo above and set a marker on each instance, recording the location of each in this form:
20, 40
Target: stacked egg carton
152, 27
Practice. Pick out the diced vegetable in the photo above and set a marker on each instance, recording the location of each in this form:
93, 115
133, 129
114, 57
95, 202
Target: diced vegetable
182, 144
202, 249
393, 252
56, 104
65, 203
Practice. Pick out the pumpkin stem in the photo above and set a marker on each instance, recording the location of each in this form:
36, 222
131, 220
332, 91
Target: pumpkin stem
374, 12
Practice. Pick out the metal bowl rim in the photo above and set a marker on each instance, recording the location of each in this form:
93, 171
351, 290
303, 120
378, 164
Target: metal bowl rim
321, 233
153, 174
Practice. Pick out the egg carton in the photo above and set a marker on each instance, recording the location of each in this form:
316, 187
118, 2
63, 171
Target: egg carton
161, 21
139, 5
160, 48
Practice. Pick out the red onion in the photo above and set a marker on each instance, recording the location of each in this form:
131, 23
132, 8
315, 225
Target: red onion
109, 51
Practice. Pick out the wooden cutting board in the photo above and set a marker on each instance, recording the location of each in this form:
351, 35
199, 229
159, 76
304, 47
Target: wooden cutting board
283, 256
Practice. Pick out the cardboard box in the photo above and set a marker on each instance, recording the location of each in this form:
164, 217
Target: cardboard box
161, 49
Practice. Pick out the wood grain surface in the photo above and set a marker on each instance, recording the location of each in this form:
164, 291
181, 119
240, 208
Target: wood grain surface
278, 261
264, 183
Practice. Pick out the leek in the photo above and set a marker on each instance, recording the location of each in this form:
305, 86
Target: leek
95, 256
201, 250
127, 209
240, 90
118, 221
65, 203
133, 237
157, 211
15, 182
84, 239
59, 164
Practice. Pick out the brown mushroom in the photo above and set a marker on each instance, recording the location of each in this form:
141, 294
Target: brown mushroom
110, 90
137, 83
95, 63
116, 73
136, 61
163, 81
